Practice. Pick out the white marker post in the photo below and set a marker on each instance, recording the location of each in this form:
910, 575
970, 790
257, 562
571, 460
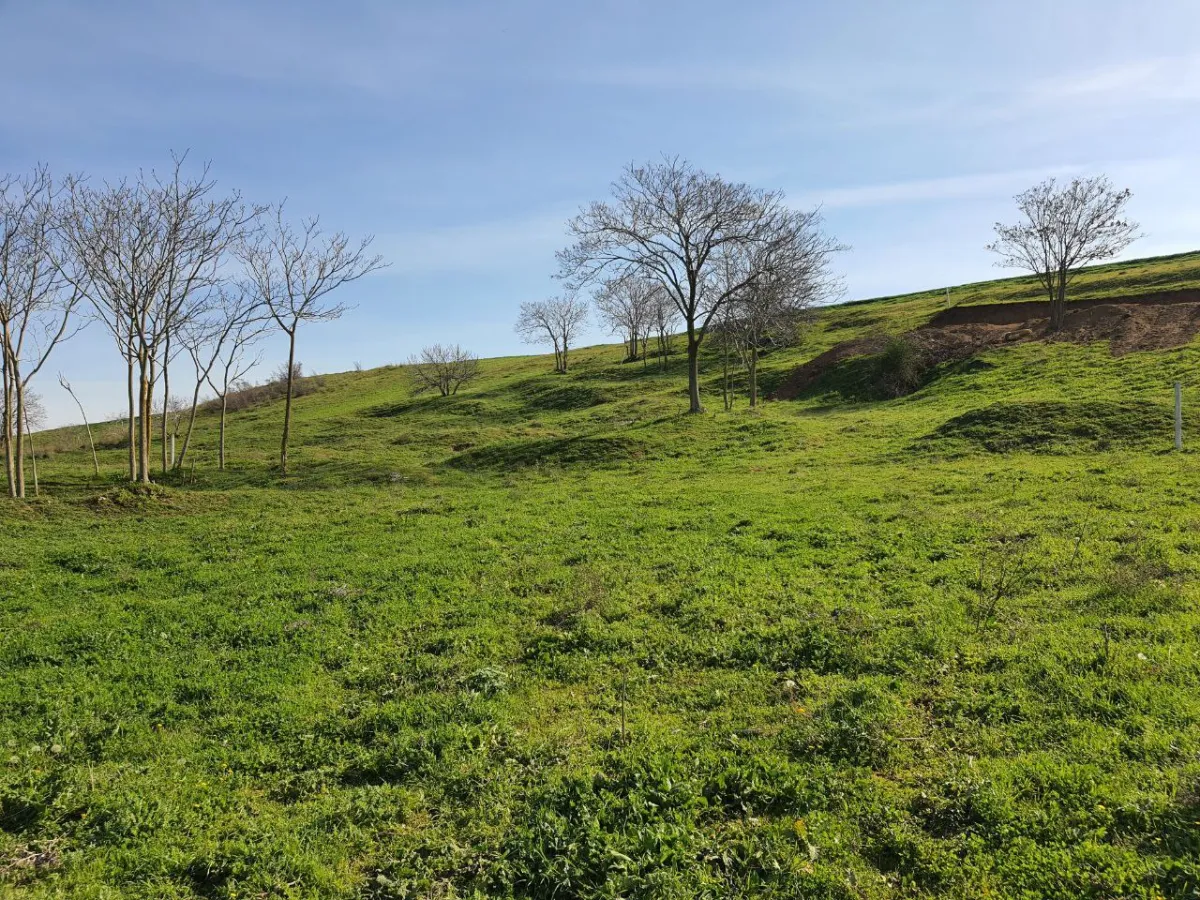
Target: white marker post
1178, 416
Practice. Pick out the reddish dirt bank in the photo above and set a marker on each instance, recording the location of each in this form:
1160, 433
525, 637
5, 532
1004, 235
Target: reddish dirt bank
1032, 310
1146, 322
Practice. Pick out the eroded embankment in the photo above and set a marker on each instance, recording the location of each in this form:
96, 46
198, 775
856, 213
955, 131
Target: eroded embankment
1147, 322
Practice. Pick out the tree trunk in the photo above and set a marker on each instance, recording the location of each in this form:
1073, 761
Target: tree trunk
133, 472
725, 387
92, 444
753, 377
19, 392
1058, 304
187, 435
287, 406
145, 420
166, 398
10, 468
32, 461
221, 430
693, 353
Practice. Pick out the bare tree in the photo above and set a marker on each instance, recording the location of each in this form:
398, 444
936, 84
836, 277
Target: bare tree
36, 303
444, 368
174, 408
202, 228
1065, 229
664, 318
144, 252
233, 319
293, 271
34, 415
626, 306
770, 310
233, 359
704, 239
555, 321
87, 427
117, 241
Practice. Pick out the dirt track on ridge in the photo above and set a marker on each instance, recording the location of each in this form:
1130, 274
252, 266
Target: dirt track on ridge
1148, 322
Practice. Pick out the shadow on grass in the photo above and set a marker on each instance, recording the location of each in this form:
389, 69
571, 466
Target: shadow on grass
1051, 426
589, 452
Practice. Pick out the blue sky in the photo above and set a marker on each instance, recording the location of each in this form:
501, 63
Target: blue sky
464, 134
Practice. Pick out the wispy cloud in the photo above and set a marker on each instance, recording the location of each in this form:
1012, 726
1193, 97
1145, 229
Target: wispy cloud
983, 184
1162, 79
502, 245
957, 187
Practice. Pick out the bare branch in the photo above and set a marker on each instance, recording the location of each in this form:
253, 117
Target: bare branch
1065, 229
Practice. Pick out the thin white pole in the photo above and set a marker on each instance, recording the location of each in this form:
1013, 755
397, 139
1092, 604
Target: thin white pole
1178, 416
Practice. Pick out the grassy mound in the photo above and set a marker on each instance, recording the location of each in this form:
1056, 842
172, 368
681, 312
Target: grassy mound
1058, 427
576, 451
537, 396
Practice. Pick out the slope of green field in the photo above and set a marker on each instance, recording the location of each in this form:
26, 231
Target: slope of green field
555, 638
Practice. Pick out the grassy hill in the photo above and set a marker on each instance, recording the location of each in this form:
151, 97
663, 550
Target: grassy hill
554, 638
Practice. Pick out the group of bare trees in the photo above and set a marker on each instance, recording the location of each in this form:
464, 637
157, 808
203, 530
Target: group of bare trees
37, 302
715, 252
556, 322
175, 269
172, 268
675, 244
638, 309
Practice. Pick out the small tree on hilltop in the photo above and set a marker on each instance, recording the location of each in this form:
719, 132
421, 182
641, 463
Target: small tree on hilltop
556, 322
1064, 230
444, 368
626, 306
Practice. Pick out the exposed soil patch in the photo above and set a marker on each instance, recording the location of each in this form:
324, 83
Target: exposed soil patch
1149, 322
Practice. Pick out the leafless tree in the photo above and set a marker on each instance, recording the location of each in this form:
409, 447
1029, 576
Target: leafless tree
145, 252
556, 321
626, 306
202, 229
770, 310
293, 271
444, 368
174, 408
86, 426
34, 415
233, 359
37, 304
664, 318
1064, 229
704, 239
234, 318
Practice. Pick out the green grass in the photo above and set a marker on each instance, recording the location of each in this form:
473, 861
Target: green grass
553, 638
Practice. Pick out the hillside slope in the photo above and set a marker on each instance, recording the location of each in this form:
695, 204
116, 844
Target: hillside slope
554, 638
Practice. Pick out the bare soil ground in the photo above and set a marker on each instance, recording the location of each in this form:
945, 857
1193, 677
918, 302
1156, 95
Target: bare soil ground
1149, 322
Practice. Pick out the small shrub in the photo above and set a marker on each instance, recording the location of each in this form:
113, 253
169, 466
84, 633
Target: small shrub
900, 367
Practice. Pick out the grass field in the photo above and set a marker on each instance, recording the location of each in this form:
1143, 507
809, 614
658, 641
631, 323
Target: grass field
554, 638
